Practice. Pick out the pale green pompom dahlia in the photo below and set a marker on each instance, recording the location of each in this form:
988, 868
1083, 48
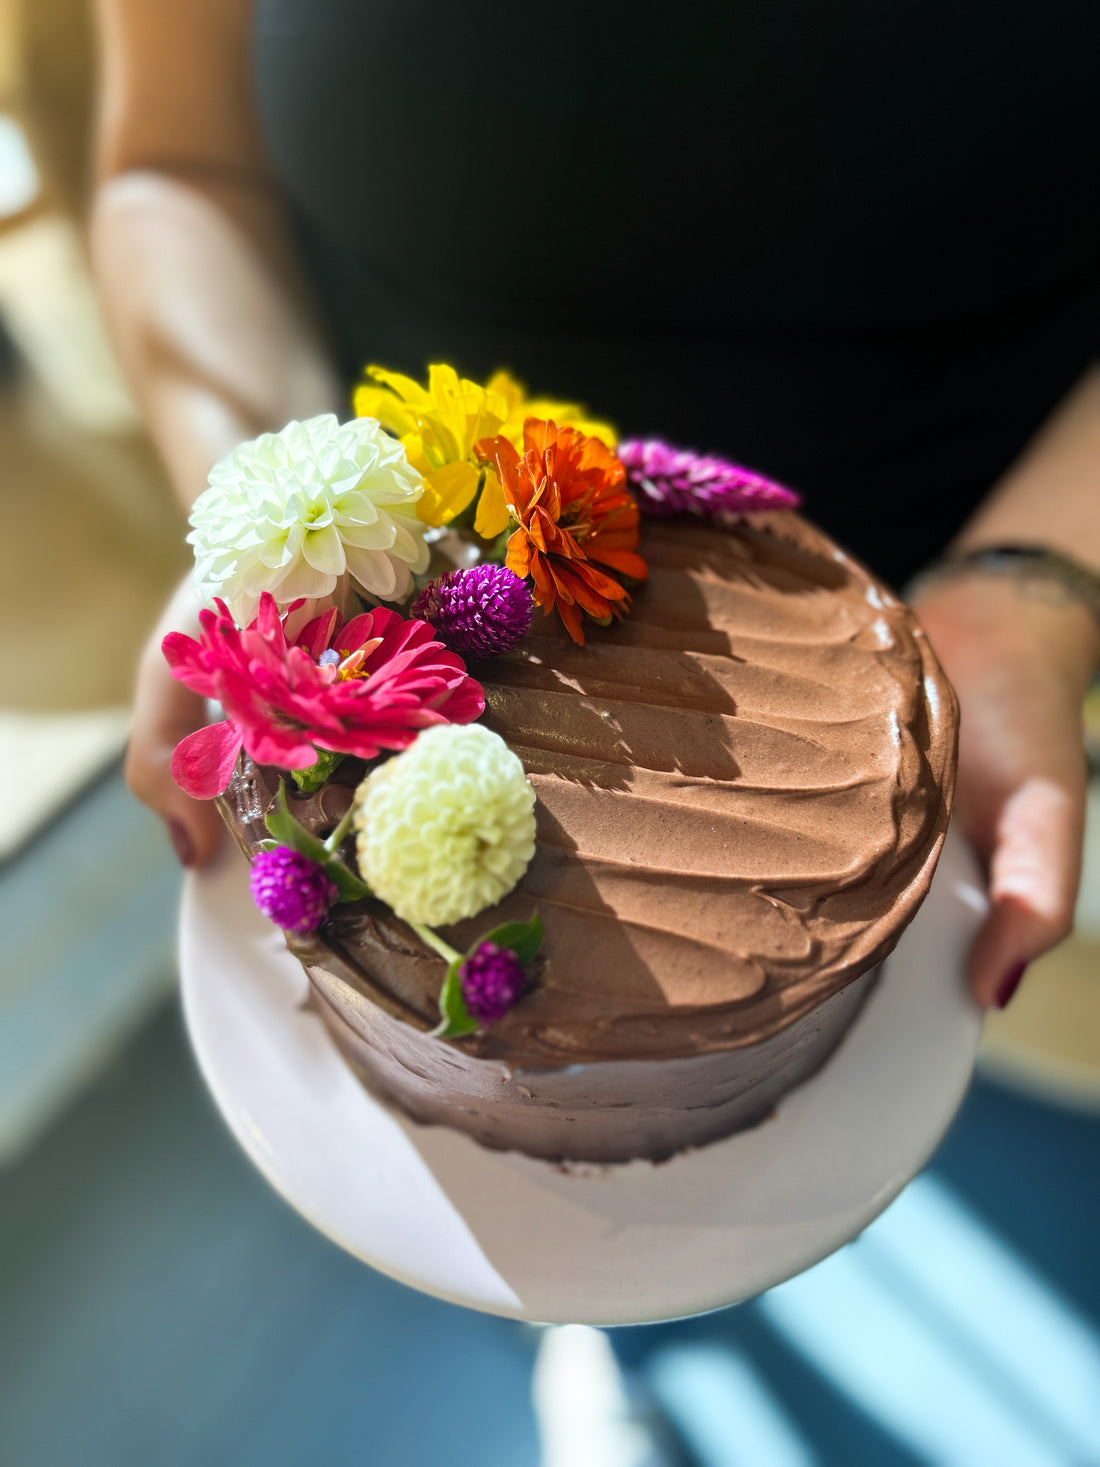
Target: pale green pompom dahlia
447, 828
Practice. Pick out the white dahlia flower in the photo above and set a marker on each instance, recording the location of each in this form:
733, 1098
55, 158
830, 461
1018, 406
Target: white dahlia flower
447, 828
292, 512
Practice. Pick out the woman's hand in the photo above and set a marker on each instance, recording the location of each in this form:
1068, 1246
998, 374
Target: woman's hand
1020, 659
164, 712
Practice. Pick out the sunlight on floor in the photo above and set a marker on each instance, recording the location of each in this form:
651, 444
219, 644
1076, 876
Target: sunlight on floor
942, 1334
724, 1410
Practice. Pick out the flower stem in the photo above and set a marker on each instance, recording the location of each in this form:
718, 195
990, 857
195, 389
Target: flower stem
337, 836
433, 939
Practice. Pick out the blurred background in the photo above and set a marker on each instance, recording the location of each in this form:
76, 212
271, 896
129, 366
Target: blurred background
158, 1305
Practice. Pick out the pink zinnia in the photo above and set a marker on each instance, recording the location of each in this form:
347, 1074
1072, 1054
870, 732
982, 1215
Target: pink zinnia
354, 688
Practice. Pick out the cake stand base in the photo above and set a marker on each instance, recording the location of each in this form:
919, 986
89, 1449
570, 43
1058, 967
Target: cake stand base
625, 1244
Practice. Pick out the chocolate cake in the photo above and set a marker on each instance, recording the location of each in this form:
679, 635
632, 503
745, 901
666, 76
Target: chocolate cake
742, 790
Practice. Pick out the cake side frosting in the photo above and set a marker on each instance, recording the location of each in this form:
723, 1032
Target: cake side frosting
742, 792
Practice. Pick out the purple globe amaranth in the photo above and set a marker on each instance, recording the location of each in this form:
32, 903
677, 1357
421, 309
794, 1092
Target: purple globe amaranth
291, 889
492, 980
482, 611
671, 480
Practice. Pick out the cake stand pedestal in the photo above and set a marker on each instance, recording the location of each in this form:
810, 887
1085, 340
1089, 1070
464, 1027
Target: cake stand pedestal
627, 1244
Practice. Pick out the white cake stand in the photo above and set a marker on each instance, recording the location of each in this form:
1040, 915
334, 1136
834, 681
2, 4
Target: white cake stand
627, 1244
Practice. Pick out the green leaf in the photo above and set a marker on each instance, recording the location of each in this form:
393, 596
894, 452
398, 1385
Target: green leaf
348, 886
310, 780
524, 938
289, 832
456, 1018
279, 821
267, 845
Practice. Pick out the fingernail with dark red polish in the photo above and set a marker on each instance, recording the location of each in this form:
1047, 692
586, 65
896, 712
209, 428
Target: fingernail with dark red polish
1009, 984
181, 842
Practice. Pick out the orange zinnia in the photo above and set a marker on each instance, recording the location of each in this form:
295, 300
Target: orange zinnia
568, 493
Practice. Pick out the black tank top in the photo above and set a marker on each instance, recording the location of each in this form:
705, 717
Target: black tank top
853, 244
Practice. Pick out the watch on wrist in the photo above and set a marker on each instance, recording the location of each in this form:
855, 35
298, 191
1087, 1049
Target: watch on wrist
1038, 571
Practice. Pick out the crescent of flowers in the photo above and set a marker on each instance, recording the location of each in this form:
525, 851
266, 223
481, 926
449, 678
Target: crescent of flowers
329, 634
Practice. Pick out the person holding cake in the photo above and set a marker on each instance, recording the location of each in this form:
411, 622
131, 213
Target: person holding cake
858, 251
734, 233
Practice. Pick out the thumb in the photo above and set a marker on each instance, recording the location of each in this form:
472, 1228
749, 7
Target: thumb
1034, 870
165, 712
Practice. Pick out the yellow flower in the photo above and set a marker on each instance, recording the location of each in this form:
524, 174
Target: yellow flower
439, 425
565, 414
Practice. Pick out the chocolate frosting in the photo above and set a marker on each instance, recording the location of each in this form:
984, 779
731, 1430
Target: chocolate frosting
742, 793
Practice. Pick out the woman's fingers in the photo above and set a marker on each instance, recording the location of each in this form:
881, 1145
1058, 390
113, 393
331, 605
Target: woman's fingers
1034, 870
1021, 802
165, 712
1020, 668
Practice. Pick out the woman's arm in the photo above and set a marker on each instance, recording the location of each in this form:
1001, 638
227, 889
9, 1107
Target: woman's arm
1021, 657
1051, 496
209, 315
189, 242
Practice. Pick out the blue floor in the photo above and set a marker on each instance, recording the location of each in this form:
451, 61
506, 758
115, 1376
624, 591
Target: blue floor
160, 1307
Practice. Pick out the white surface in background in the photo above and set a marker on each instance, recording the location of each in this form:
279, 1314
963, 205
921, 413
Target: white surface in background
584, 1414
514, 1236
1088, 900
52, 313
49, 758
18, 175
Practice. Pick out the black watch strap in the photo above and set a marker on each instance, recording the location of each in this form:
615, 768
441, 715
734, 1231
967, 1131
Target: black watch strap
1042, 570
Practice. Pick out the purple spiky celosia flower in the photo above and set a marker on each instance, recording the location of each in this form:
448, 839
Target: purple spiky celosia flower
492, 980
292, 890
480, 611
671, 481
